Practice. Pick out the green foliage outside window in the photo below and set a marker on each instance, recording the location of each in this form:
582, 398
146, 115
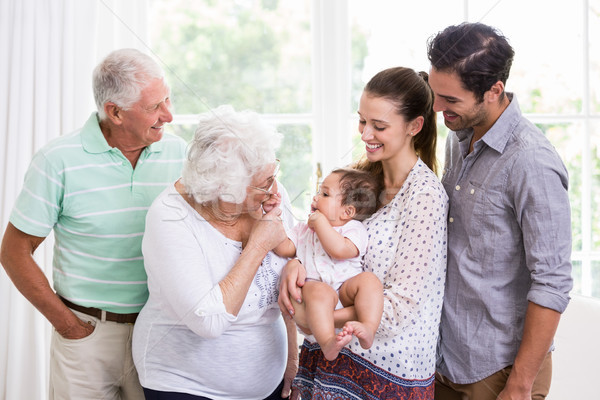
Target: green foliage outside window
257, 55
252, 55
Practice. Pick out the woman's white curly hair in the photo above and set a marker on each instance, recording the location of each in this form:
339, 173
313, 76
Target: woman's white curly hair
227, 150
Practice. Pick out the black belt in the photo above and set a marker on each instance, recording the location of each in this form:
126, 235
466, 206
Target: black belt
96, 312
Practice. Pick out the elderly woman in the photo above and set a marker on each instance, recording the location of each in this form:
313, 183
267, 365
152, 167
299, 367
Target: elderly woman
211, 328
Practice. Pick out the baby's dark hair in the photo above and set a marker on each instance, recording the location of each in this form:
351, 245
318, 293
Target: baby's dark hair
358, 189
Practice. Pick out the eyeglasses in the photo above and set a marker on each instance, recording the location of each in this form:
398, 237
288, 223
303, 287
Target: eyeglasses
272, 178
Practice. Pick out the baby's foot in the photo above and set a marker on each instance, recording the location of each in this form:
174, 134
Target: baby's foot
365, 336
332, 348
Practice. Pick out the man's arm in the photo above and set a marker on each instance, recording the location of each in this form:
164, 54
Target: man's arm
541, 204
540, 327
16, 256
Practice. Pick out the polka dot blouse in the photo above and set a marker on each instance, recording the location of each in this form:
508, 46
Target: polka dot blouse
407, 251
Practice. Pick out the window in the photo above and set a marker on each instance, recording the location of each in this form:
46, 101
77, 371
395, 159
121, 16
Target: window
303, 64
250, 54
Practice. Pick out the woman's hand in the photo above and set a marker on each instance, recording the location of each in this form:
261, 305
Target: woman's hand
288, 377
268, 231
272, 202
292, 279
292, 362
295, 395
274, 199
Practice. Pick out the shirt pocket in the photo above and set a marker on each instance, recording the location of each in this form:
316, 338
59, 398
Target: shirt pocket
488, 212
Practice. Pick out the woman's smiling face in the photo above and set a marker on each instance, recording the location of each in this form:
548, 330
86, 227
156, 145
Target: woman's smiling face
384, 131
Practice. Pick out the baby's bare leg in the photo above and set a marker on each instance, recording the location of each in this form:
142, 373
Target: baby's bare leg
299, 313
365, 291
320, 300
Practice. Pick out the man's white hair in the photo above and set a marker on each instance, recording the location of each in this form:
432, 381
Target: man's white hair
121, 77
227, 150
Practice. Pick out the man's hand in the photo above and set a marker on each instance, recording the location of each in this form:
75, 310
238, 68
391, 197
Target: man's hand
511, 393
79, 331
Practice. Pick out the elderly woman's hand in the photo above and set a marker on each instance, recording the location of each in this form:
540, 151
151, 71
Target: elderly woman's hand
268, 231
273, 202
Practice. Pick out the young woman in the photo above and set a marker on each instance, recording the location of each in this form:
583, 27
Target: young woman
406, 250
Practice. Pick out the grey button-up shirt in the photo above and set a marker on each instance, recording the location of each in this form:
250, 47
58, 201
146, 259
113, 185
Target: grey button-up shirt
509, 242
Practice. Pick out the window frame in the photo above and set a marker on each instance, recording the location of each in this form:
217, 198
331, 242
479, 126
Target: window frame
331, 77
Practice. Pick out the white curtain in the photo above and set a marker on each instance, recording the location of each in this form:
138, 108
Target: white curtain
48, 50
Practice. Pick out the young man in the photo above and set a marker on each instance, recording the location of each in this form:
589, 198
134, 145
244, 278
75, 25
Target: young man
93, 188
509, 227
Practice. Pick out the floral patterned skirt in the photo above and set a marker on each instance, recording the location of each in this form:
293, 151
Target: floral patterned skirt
350, 376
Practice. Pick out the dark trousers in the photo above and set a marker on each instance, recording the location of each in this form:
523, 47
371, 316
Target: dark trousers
157, 395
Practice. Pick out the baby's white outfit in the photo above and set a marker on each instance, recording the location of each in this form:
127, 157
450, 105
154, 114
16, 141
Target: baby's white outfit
319, 265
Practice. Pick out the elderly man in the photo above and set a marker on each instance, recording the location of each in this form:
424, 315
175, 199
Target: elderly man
93, 188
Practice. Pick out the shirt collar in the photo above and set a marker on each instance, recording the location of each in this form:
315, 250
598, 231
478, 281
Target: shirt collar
93, 139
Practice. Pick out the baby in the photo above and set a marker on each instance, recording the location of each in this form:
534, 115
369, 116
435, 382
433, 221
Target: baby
331, 246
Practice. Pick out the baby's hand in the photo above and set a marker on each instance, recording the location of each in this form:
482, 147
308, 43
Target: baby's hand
272, 202
313, 219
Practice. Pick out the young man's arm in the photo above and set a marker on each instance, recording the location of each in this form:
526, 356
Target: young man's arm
545, 219
540, 327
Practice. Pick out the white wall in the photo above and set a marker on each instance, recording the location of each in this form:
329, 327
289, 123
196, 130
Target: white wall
575, 360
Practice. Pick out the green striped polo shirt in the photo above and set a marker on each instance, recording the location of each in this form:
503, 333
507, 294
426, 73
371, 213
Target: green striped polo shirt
96, 203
